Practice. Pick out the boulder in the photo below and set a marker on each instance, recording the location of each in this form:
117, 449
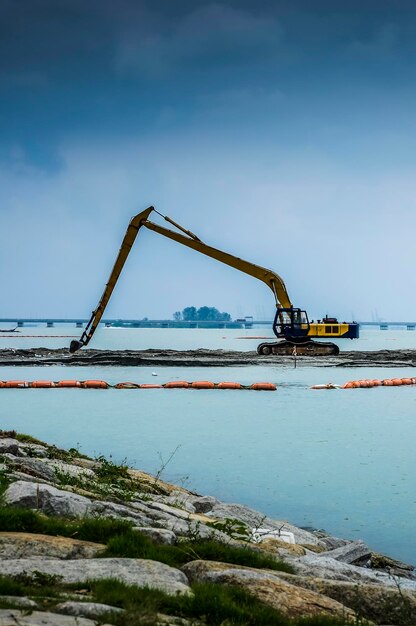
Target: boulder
33, 449
204, 504
331, 543
19, 602
372, 602
350, 552
46, 498
74, 471
33, 467
321, 566
14, 617
94, 610
255, 520
120, 511
140, 572
27, 545
9, 445
268, 588
159, 535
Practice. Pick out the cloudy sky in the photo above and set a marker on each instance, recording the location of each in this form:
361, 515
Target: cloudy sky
281, 131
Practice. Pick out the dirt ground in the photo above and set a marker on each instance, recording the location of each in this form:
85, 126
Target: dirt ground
200, 358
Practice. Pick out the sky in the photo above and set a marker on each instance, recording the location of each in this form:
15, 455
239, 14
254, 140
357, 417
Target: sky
280, 131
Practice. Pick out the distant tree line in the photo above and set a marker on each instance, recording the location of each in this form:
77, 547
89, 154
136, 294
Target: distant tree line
203, 314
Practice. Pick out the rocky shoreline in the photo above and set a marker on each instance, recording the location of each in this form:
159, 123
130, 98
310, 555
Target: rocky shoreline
199, 358
69, 522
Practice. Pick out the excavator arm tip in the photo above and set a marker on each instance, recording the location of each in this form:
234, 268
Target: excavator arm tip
75, 345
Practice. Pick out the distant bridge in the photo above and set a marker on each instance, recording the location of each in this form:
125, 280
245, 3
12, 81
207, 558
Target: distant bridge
248, 322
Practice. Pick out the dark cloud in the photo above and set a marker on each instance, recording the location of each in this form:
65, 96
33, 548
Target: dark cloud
245, 120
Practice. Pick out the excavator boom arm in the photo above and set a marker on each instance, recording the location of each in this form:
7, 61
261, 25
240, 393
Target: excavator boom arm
272, 280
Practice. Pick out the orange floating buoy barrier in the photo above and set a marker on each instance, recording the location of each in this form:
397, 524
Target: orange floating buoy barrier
68, 383
127, 386
202, 384
407, 381
176, 384
45, 384
229, 385
263, 386
396, 382
150, 386
94, 384
16, 384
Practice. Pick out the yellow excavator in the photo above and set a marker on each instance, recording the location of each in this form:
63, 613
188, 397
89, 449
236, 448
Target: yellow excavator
290, 324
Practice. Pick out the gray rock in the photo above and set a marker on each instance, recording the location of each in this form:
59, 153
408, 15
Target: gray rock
19, 601
254, 519
9, 445
333, 542
33, 449
94, 610
177, 498
20, 545
46, 498
140, 572
204, 504
331, 569
353, 551
119, 511
159, 535
14, 617
34, 467
74, 471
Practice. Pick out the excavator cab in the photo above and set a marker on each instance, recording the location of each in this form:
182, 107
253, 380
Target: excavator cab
291, 323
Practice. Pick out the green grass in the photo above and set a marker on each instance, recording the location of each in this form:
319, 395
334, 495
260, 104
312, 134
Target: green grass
135, 545
122, 541
214, 605
100, 530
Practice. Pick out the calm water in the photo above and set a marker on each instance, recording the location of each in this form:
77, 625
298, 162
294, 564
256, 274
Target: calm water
339, 460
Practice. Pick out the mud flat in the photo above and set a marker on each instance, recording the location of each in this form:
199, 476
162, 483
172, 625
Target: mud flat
199, 358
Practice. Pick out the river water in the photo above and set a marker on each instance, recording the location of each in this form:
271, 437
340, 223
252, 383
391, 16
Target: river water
342, 460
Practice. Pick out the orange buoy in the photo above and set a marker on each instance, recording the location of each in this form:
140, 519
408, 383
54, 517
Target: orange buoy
376, 382
150, 386
263, 387
406, 381
127, 386
355, 384
45, 384
202, 384
68, 383
348, 385
229, 385
15, 384
94, 384
397, 382
1, 383
176, 384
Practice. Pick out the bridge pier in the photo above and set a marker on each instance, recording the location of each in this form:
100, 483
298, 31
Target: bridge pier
20, 324
49, 324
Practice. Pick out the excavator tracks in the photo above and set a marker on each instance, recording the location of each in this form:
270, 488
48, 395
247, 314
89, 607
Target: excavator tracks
307, 348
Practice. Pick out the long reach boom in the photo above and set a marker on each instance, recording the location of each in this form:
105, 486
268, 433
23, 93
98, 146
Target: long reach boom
272, 280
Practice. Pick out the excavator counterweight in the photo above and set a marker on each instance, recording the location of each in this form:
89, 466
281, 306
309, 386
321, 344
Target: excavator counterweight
290, 324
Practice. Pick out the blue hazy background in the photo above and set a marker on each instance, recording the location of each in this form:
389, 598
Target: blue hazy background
282, 132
